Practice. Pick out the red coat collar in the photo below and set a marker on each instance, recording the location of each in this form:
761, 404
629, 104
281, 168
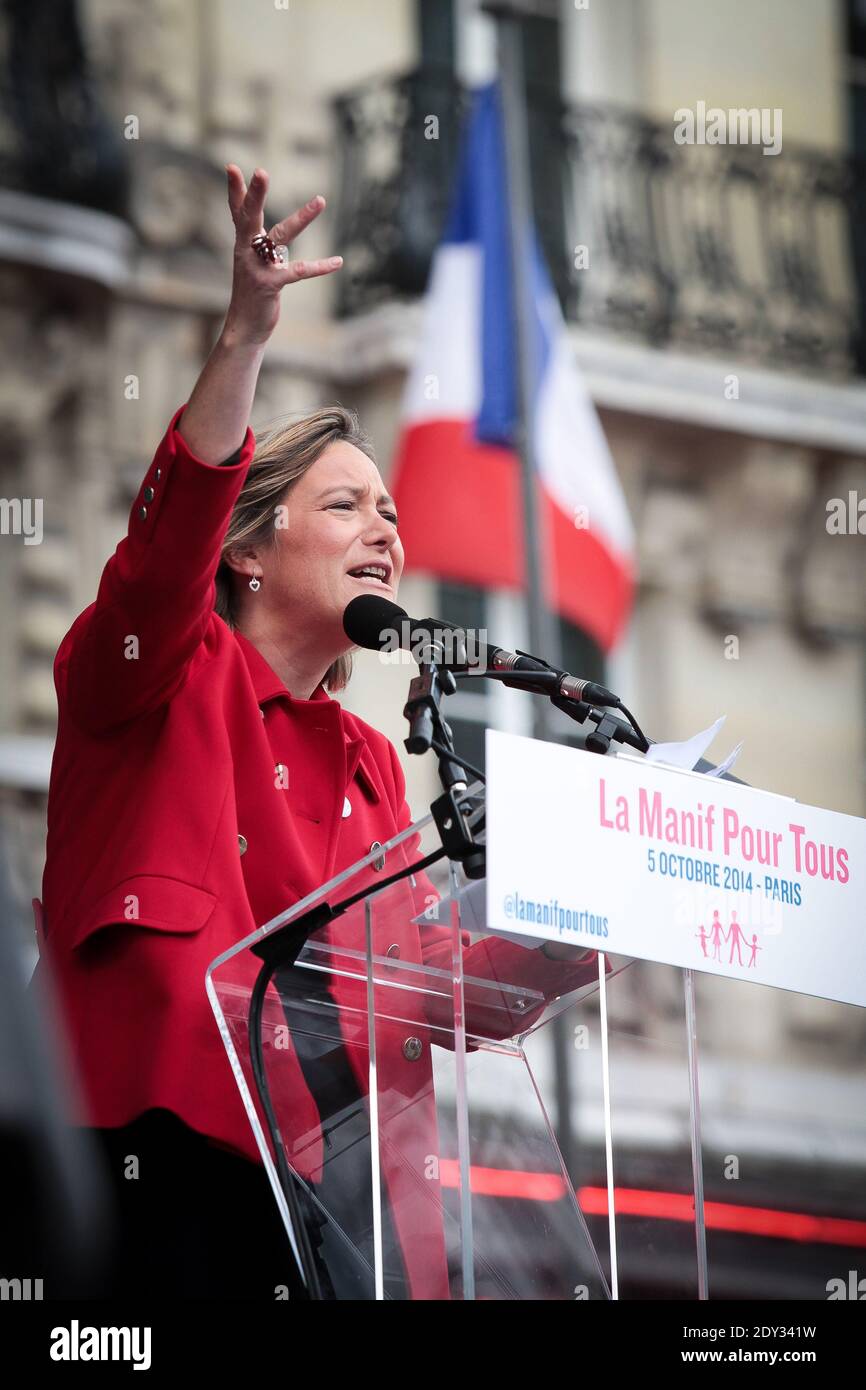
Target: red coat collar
266, 682
268, 686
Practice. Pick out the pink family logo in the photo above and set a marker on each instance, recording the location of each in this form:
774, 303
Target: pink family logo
717, 937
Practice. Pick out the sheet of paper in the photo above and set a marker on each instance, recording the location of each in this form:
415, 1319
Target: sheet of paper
684, 755
728, 763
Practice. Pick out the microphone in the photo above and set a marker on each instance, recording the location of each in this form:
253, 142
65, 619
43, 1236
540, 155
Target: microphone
570, 687
375, 623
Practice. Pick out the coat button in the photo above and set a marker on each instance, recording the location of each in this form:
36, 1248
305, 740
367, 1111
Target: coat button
347, 807
148, 494
261, 712
393, 949
412, 1049
242, 843
380, 862
142, 512
158, 474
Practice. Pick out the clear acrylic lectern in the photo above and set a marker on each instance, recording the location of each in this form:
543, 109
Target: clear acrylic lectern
395, 1067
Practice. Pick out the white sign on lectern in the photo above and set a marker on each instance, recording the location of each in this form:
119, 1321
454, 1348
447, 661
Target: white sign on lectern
641, 860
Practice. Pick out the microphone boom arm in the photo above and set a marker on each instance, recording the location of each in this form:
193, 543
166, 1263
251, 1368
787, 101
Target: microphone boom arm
609, 725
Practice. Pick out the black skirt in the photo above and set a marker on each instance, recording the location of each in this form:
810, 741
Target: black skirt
196, 1222
199, 1221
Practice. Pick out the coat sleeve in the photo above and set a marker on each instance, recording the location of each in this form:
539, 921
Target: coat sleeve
490, 1011
128, 653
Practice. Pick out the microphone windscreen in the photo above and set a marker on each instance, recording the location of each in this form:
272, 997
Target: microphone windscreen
369, 618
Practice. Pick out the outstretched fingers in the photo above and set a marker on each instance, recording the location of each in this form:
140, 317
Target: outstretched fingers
247, 204
308, 270
285, 232
237, 190
247, 210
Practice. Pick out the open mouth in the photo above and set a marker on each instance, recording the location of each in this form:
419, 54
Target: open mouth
376, 576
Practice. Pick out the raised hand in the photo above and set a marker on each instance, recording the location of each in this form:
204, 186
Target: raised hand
254, 309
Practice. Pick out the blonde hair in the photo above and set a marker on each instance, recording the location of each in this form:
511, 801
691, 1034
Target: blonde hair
282, 456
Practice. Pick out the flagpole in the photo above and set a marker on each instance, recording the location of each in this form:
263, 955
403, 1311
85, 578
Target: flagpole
543, 632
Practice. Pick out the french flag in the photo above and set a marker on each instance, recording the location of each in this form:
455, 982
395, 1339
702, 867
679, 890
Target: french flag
456, 478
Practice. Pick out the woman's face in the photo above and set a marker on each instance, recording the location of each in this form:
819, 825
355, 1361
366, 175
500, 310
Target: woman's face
334, 520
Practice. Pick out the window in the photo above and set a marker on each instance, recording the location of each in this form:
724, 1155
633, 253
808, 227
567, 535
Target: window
480, 704
469, 711
856, 36
580, 656
856, 63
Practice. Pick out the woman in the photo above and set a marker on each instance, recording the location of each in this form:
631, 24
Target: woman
203, 779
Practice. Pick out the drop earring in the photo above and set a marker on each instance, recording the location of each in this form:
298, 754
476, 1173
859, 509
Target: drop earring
255, 583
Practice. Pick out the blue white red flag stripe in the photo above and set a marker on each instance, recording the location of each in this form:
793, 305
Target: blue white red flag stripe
456, 479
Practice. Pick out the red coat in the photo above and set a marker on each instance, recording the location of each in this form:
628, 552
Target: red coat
170, 728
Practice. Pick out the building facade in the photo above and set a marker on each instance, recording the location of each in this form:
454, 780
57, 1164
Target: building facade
715, 295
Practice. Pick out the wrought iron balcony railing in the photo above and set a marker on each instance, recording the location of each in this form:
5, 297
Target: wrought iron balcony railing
55, 140
719, 248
